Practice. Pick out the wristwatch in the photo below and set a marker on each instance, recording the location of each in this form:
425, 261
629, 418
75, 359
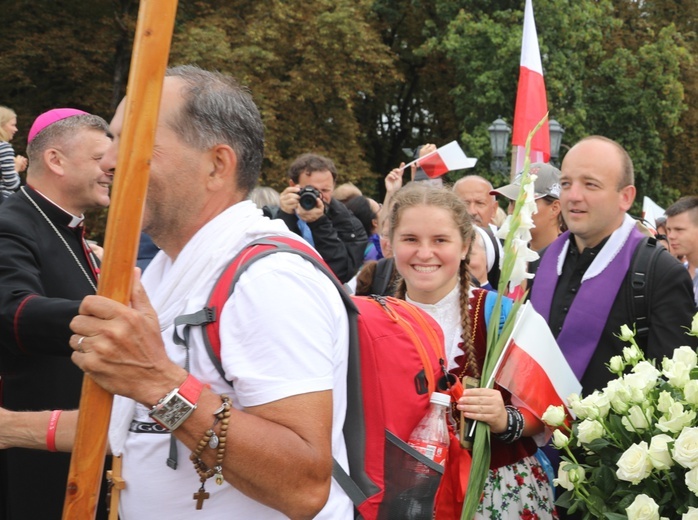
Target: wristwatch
176, 407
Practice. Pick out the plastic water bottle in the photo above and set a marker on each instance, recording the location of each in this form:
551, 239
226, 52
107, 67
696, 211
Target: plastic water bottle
430, 437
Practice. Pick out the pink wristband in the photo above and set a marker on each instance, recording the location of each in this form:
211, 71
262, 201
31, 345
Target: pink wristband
51, 432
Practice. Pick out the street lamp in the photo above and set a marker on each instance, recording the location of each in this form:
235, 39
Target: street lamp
499, 140
556, 132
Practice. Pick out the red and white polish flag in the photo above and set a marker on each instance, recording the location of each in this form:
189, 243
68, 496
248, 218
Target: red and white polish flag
533, 368
531, 100
445, 159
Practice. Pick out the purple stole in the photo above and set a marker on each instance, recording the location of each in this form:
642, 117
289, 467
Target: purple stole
588, 314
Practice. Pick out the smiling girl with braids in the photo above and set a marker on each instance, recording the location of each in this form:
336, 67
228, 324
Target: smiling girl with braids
430, 233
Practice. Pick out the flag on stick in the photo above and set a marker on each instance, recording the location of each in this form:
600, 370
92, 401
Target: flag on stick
445, 159
533, 368
531, 100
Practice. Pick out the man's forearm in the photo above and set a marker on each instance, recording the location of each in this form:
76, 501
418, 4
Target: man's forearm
29, 429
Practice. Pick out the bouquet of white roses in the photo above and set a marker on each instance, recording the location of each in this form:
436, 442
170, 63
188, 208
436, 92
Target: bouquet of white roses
632, 452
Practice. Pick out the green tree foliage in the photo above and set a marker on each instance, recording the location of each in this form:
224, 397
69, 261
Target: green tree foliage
309, 65
360, 80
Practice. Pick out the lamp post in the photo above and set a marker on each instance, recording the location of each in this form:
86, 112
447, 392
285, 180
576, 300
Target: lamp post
499, 140
556, 132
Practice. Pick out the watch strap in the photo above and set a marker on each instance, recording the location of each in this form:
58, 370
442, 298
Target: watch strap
191, 389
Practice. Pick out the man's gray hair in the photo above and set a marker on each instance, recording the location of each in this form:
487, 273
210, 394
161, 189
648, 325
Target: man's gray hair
217, 110
61, 131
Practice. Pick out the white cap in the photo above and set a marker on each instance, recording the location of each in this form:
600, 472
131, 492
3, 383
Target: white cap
439, 398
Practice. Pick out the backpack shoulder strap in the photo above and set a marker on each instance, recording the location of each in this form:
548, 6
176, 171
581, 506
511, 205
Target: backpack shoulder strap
208, 317
382, 276
644, 259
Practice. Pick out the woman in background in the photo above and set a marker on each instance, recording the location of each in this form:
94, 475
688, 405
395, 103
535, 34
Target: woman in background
10, 164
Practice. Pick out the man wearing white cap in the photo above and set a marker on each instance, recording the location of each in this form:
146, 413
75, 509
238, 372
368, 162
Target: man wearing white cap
548, 219
46, 268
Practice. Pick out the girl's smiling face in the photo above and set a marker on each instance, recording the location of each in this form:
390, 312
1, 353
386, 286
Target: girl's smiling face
428, 249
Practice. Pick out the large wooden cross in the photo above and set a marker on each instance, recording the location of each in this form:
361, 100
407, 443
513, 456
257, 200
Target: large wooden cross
151, 50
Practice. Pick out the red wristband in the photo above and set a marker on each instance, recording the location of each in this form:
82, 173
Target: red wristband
191, 389
51, 432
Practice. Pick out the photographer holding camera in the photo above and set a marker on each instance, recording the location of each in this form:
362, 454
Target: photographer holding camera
308, 209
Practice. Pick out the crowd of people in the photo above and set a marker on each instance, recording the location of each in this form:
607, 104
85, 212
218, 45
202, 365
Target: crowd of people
280, 426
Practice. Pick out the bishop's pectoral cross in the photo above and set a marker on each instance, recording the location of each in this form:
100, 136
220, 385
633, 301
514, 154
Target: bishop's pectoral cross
200, 496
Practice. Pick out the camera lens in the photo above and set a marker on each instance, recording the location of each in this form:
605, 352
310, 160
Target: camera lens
308, 198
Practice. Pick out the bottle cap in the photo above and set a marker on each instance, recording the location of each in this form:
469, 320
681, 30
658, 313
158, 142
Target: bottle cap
439, 398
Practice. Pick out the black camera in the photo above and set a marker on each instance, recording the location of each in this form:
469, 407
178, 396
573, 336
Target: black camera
308, 197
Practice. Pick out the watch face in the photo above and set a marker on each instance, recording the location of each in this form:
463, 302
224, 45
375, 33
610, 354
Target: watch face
173, 411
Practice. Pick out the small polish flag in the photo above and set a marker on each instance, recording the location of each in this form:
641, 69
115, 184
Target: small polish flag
533, 368
445, 159
531, 100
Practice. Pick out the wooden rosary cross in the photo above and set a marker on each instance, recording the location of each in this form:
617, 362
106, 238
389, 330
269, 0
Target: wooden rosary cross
200, 496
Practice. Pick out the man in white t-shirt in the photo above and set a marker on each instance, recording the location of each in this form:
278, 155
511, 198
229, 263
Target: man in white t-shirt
284, 336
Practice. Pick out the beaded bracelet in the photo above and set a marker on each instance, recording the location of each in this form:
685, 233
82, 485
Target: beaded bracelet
215, 442
515, 425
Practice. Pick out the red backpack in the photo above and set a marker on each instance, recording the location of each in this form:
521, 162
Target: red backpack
395, 359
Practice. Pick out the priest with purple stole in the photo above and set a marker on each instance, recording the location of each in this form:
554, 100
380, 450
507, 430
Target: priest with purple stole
582, 285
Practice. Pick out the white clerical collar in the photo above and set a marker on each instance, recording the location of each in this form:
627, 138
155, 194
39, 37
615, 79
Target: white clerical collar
74, 221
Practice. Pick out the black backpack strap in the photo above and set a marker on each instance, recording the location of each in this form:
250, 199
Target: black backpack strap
642, 267
382, 276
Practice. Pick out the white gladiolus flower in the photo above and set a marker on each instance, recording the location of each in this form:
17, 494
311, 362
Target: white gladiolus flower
659, 452
685, 450
643, 508
589, 430
634, 465
554, 416
524, 255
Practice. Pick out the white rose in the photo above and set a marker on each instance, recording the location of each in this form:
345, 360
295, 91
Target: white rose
659, 451
676, 372
685, 450
632, 354
563, 478
596, 405
691, 479
589, 430
665, 401
616, 364
619, 395
625, 333
637, 418
642, 380
690, 392
676, 419
686, 355
634, 465
694, 325
643, 508
560, 440
554, 416
569, 476
691, 514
